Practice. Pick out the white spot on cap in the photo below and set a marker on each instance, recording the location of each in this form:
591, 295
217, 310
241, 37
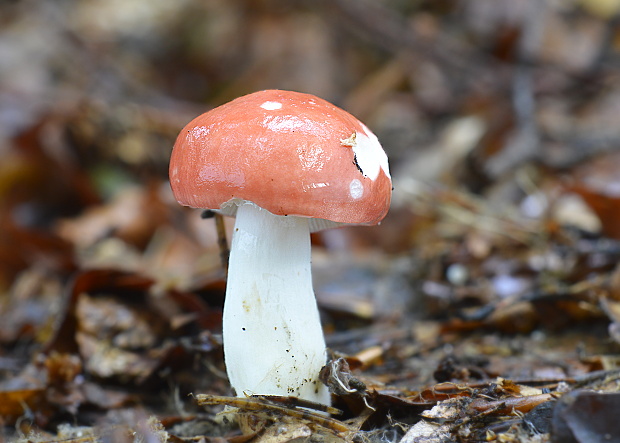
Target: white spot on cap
369, 154
271, 106
356, 189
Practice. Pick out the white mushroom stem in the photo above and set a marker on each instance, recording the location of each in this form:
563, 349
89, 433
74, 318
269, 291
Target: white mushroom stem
273, 340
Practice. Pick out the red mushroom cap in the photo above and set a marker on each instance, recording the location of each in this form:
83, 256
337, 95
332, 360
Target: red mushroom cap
289, 153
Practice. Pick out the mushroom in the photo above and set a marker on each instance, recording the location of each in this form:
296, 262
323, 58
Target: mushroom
285, 164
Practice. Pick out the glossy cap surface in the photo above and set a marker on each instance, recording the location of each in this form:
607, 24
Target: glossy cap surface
289, 153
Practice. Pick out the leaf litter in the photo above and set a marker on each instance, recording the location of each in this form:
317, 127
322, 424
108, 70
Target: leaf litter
486, 307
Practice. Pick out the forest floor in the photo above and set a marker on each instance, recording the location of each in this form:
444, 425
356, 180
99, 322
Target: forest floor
485, 307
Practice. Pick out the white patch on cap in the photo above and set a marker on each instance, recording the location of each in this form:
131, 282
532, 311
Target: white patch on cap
287, 123
312, 157
369, 154
271, 106
309, 186
356, 189
197, 133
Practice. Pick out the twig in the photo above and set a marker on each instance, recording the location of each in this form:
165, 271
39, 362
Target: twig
273, 404
222, 242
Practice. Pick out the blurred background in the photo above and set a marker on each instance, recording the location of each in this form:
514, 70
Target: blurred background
501, 120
